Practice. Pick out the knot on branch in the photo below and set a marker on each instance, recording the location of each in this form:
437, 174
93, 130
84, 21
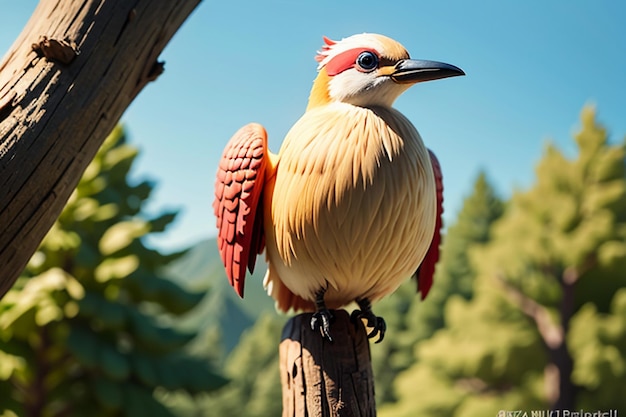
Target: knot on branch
156, 69
60, 51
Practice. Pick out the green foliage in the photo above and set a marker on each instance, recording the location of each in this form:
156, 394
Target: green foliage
395, 353
254, 366
254, 390
504, 348
83, 330
598, 342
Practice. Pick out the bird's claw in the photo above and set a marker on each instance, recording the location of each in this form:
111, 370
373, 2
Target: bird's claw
377, 324
321, 320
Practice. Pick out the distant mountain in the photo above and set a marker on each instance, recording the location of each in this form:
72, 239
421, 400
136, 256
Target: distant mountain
201, 269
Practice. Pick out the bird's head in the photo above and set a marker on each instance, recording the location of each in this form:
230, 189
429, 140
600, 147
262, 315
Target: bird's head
370, 70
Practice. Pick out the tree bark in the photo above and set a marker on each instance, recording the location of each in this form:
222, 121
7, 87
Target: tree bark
326, 379
64, 84
561, 356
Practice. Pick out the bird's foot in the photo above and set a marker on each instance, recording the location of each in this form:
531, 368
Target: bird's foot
322, 317
377, 324
321, 321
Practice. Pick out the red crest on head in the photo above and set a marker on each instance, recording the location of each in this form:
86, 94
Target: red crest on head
328, 41
327, 45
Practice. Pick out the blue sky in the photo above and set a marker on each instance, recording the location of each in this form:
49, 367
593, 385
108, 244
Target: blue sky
531, 66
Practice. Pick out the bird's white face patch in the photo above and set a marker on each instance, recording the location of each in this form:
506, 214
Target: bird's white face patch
364, 89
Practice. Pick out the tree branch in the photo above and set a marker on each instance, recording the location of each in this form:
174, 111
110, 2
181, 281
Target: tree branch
551, 333
560, 388
64, 84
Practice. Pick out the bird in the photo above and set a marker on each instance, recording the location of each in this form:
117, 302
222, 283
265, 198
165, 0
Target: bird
351, 205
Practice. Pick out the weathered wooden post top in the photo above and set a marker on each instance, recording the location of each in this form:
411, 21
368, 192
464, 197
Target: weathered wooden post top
324, 378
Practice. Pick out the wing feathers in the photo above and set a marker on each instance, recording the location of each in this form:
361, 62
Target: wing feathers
426, 270
238, 203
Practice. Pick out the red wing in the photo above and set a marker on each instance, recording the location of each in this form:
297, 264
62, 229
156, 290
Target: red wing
426, 270
238, 203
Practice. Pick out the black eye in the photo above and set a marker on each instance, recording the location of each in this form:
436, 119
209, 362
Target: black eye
367, 61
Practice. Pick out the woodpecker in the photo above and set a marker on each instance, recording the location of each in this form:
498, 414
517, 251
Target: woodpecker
351, 205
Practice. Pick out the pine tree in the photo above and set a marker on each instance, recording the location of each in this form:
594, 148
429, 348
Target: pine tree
85, 329
410, 320
253, 370
546, 325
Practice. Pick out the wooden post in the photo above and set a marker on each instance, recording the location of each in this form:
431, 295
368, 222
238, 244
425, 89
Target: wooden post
326, 379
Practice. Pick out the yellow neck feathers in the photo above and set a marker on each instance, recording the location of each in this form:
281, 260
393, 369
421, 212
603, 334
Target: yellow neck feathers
319, 93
